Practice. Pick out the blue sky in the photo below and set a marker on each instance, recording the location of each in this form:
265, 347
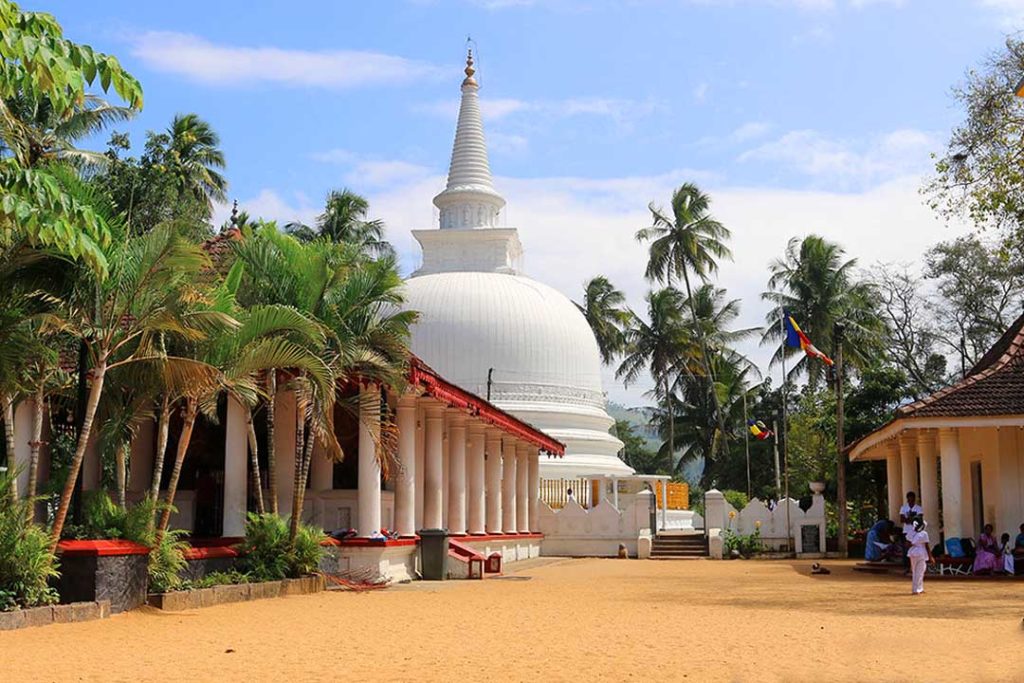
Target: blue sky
797, 115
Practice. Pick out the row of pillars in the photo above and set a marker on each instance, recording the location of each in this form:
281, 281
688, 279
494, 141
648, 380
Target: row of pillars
493, 478
928, 447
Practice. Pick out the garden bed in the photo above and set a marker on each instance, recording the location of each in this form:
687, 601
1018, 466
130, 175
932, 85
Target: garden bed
54, 614
196, 598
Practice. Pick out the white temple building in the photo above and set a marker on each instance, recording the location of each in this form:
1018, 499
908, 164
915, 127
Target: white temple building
494, 331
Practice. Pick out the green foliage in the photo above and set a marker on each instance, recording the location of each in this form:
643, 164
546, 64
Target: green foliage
604, 307
26, 563
267, 554
167, 562
102, 518
635, 452
745, 544
221, 579
738, 499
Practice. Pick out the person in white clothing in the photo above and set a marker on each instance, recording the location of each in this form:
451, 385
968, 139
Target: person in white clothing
920, 555
908, 513
1007, 553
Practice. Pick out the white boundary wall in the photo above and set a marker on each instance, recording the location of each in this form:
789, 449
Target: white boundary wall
721, 516
575, 532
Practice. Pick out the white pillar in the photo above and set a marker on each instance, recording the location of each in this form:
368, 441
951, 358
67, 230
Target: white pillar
284, 448
321, 470
949, 452
493, 467
908, 465
421, 429
664, 503
236, 470
534, 483
927, 452
445, 446
405, 482
508, 485
894, 483
615, 492
476, 484
457, 474
369, 467
433, 517
522, 488
22, 448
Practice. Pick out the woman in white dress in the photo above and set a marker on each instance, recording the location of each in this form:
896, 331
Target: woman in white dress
920, 555
1007, 553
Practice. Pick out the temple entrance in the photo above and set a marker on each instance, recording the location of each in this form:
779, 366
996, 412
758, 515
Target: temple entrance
200, 494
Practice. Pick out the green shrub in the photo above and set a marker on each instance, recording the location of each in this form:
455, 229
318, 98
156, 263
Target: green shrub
745, 544
221, 579
738, 499
167, 562
26, 563
269, 556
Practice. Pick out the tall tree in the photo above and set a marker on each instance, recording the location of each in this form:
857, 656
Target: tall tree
689, 241
344, 220
604, 308
818, 286
189, 153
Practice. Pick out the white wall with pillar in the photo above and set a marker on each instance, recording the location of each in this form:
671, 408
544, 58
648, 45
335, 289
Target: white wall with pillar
523, 487
508, 485
236, 470
476, 483
433, 445
457, 473
369, 466
533, 482
405, 482
493, 473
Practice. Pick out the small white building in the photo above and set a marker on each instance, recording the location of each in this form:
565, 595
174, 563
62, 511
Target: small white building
962, 448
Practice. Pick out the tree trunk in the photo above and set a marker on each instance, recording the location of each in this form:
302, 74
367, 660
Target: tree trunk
271, 450
671, 425
705, 362
95, 391
121, 468
257, 484
184, 438
34, 448
12, 465
301, 476
163, 426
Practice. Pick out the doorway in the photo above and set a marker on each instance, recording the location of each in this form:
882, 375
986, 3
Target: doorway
977, 497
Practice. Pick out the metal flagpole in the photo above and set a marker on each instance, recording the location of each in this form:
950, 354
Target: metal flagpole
746, 441
785, 428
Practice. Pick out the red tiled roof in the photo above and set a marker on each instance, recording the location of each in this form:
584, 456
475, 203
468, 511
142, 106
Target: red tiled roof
994, 386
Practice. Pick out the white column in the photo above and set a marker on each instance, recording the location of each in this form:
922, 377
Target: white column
321, 470
433, 517
445, 445
508, 485
369, 468
949, 452
421, 429
284, 448
405, 482
493, 467
476, 484
236, 479
908, 465
457, 474
664, 503
927, 452
615, 492
522, 488
534, 483
894, 483
22, 448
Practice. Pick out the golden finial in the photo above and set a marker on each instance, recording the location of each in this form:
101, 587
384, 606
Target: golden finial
469, 68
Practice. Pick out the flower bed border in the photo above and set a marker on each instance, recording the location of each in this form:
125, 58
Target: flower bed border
178, 601
54, 614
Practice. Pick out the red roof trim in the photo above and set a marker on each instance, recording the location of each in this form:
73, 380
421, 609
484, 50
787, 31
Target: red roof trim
100, 548
421, 375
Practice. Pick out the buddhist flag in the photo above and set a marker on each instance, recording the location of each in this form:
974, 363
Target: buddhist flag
796, 338
759, 430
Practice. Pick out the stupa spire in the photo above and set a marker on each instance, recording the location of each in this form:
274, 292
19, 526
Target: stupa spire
469, 200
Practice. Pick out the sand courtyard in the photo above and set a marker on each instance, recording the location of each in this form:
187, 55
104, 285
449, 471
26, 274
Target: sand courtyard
563, 620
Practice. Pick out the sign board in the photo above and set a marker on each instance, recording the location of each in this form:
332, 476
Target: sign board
810, 540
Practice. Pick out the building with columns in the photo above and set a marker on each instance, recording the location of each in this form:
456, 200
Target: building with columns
962, 448
494, 331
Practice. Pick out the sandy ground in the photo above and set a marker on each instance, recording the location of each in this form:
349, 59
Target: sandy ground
564, 620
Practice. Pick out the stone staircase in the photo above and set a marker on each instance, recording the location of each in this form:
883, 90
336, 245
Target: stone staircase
679, 546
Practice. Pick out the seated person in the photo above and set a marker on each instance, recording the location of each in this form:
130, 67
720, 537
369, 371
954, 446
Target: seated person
1007, 554
1018, 545
879, 546
986, 558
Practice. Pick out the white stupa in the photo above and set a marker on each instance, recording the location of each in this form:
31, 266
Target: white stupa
492, 330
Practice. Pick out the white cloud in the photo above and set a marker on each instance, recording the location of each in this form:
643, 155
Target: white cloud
505, 143
620, 110
1009, 12
268, 204
848, 163
700, 93
371, 172
750, 131
201, 60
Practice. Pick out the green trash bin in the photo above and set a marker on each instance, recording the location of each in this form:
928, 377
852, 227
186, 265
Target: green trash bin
434, 554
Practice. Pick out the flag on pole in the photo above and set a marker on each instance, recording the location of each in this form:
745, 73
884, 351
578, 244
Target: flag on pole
796, 338
759, 430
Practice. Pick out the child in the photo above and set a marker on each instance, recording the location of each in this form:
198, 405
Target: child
1007, 553
919, 554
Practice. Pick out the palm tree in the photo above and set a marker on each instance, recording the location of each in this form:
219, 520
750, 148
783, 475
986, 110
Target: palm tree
604, 308
817, 285
344, 220
688, 241
656, 345
191, 155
